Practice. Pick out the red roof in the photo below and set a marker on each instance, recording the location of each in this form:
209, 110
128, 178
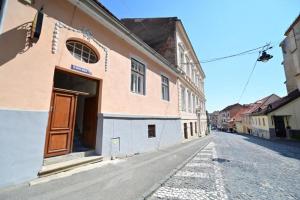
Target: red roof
279, 103
259, 104
240, 113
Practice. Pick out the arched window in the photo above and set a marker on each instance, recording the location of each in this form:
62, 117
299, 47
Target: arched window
81, 51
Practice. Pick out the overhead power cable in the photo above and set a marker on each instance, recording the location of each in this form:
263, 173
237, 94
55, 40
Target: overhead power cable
237, 54
250, 75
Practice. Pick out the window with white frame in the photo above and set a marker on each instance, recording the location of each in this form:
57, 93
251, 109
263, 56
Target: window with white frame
200, 85
187, 64
183, 99
201, 108
137, 77
189, 101
181, 57
81, 51
192, 73
194, 104
165, 88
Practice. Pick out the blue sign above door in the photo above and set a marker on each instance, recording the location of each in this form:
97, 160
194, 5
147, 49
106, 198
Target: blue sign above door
81, 69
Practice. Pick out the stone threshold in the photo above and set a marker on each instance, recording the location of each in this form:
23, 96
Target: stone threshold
67, 162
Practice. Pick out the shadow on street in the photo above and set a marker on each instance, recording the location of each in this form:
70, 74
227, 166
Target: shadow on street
284, 147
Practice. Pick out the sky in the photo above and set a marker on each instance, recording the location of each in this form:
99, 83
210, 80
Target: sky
219, 28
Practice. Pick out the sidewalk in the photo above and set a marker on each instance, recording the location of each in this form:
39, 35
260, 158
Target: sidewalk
127, 180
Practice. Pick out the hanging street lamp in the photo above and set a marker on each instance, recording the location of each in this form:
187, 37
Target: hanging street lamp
264, 57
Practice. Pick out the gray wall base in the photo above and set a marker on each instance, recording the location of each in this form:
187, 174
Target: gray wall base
22, 143
131, 135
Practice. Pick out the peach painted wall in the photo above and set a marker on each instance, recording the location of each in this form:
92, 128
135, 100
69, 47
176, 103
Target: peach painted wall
26, 77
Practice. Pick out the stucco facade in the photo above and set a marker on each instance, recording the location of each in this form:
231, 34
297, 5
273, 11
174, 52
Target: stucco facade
213, 117
291, 117
291, 55
228, 116
250, 123
190, 88
264, 123
27, 84
260, 126
168, 37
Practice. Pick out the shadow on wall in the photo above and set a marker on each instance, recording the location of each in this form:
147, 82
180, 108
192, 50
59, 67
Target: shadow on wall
15, 41
286, 148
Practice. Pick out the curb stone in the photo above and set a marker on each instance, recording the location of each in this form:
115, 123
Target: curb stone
168, 176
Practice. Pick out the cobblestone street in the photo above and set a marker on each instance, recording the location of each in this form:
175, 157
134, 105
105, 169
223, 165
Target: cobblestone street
237, 167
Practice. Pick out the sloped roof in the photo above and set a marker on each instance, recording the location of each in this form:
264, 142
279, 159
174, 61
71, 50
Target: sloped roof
98, 8
260, 104
105, 9
230, 107
280, 103
292, 25
158, 33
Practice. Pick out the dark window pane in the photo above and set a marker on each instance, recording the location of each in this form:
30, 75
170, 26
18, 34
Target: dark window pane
85, 59
132, 82
86, 49
70, 47
139, 84
151, 131
77, 53
165, 88
93, 59
77, 45
84, 54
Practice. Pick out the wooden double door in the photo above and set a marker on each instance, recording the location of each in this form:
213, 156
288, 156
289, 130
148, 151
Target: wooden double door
60, 132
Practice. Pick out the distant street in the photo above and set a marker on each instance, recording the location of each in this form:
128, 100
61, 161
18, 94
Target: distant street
225, 166
238, 167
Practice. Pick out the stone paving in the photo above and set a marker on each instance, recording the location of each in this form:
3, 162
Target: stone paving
257, 168
234, 167
199, 179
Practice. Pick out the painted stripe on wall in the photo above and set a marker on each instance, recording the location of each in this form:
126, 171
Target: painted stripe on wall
142, 117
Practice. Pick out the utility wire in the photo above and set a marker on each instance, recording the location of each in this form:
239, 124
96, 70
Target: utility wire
250, 75
237, 54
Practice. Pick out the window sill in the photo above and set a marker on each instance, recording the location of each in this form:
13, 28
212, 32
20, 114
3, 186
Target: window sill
164, 100
138, 94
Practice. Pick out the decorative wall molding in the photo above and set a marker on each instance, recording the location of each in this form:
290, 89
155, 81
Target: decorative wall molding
86, 34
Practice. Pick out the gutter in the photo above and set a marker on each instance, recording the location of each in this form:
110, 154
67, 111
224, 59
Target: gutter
112, 23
